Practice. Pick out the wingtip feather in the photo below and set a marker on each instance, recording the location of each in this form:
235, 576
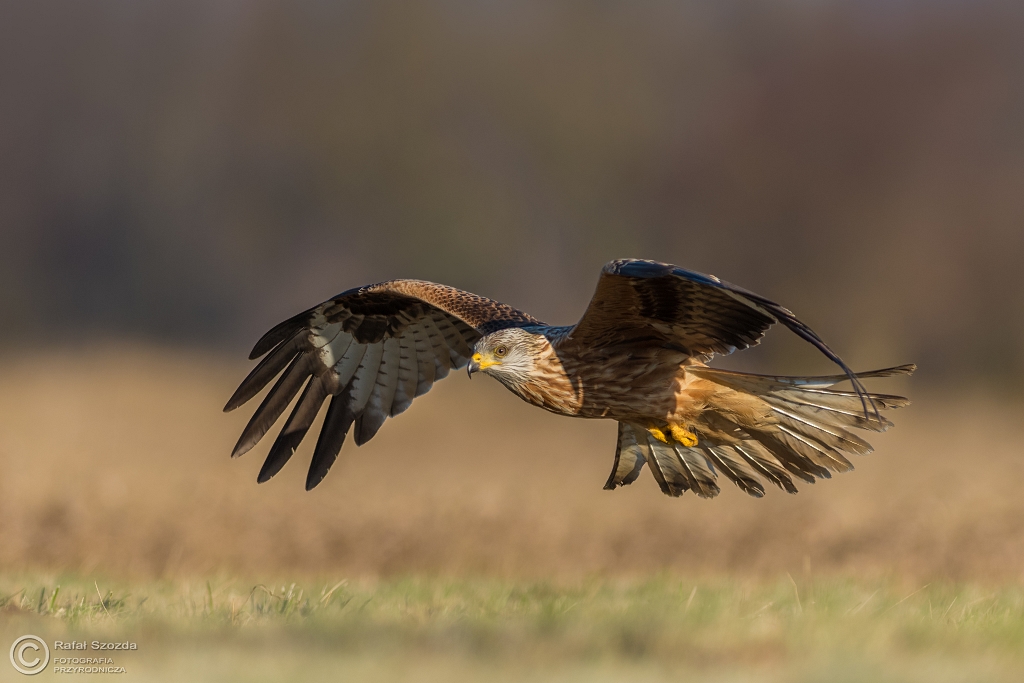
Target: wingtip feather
280, 332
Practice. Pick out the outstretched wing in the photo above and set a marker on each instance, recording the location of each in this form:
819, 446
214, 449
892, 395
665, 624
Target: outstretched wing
649, 302
371, 350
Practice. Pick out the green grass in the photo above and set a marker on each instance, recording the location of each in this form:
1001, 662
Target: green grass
427, 629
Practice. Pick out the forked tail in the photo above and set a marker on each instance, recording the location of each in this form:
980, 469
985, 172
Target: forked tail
795, 427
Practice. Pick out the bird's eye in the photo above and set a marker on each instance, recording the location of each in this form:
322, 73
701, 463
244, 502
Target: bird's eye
501, 351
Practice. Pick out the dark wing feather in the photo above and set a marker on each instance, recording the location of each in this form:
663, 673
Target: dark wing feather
371, 350
299, 422
275, 403
645, 301
332, 436
266, 370
629, 456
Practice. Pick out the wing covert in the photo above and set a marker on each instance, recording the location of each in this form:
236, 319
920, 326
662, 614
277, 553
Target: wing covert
640, 301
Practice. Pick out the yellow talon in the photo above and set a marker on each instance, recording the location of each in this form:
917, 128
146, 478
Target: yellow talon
683, 436
658, 434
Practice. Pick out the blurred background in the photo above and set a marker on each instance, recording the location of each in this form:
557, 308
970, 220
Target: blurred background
193, 171
178, 176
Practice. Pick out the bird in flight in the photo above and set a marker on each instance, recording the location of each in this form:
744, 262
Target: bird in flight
638, 356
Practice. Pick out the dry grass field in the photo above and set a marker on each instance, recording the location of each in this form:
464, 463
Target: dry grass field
117, 462
472, 540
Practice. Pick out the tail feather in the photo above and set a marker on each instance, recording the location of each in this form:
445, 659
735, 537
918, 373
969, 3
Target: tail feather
812, 397
809, 431
754, 381
838, 399
821, 455
736, 468
828, 414
677, 469
767, 464
794, 455
830, 435
798, 427
666, 468
699, 471
629, 458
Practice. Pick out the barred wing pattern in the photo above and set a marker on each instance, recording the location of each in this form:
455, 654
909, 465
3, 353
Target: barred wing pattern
371, 351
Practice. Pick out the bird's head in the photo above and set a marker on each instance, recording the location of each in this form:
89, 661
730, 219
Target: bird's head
508, 355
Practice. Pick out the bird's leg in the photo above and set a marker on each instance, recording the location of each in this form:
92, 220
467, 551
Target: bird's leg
683, 435
676, 433
658, 433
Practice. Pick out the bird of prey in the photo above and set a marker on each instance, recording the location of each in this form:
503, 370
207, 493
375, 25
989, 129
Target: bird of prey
638, 356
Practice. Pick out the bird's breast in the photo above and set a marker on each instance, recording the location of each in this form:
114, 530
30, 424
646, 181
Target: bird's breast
609, 384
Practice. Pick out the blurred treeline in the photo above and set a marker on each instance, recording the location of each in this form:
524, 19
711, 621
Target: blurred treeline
193, 171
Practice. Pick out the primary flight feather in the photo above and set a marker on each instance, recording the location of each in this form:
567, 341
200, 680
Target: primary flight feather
638, 356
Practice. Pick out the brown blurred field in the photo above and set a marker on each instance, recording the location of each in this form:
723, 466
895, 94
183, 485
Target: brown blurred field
116, 463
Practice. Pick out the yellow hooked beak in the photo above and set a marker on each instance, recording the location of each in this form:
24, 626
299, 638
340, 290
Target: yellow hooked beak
481, 362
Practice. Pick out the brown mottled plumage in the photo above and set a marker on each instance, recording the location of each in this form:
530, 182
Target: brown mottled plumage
638, 355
